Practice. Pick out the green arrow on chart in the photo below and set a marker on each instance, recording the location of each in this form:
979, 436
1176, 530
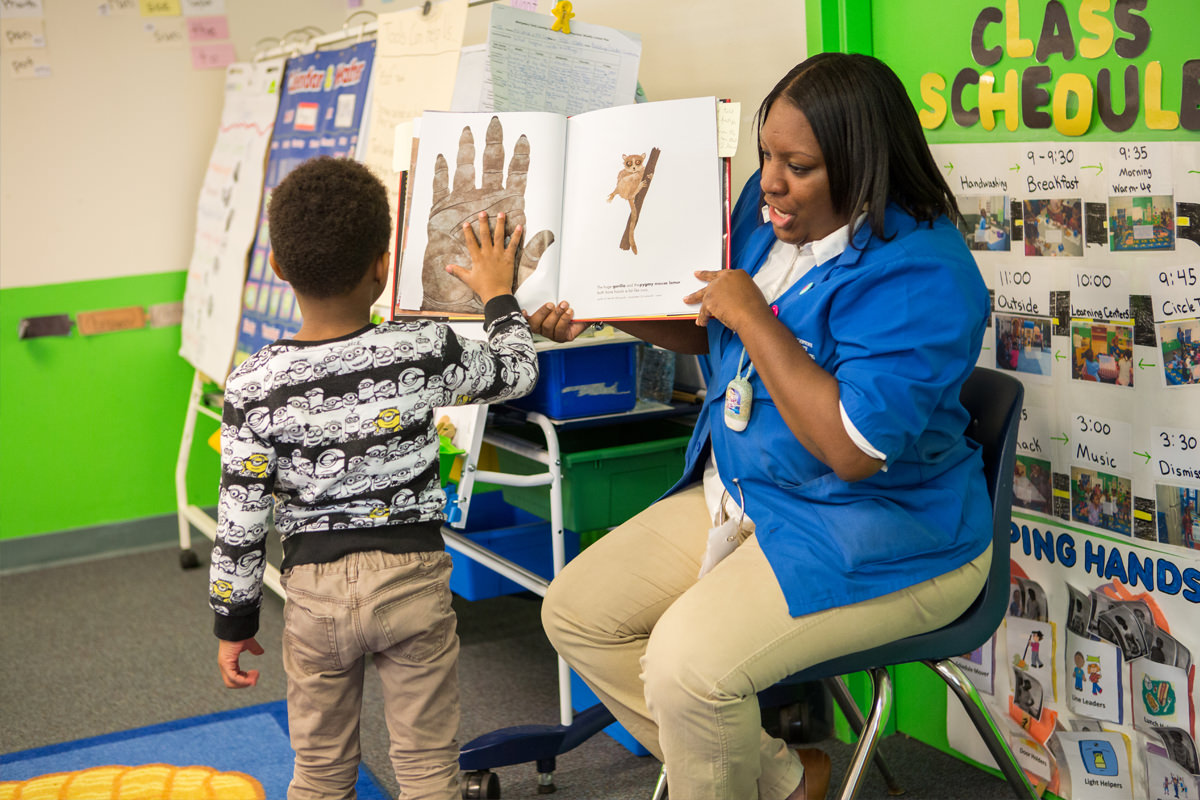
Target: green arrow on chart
1143, 364
1194, 172
1098, 167
1143, 455
1063, 439
1058, 356
1017, 167
949, 167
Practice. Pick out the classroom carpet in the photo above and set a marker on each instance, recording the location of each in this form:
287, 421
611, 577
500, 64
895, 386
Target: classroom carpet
240, 754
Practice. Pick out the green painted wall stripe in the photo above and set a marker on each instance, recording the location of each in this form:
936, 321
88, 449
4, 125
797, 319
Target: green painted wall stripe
91, 426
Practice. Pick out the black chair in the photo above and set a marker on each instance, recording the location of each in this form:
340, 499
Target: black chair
993, 400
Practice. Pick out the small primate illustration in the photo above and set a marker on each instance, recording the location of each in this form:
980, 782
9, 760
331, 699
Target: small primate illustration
630, 180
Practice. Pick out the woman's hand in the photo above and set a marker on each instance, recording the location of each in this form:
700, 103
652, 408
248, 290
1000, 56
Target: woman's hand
556, 322
730, 296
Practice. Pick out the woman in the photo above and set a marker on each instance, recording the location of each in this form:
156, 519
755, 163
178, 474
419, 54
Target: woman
849, 508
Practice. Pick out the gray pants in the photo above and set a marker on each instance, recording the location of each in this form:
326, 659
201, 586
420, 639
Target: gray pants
398, 608
679, 660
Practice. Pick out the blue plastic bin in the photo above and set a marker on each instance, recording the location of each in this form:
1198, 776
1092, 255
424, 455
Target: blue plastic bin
512, 533
583, 697
584, 381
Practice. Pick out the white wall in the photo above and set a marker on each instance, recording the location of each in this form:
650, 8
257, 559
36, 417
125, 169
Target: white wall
101, 163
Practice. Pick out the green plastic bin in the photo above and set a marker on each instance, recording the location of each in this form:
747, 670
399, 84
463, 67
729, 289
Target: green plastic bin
609, 473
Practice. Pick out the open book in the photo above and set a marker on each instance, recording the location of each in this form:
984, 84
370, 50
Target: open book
620, 206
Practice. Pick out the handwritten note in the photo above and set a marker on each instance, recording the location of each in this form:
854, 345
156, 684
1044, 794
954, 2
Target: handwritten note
12, 9
167, 33
206, 29
27, 65
729, 120
118, 8
213, 56
159, 8
200, 8
22, 34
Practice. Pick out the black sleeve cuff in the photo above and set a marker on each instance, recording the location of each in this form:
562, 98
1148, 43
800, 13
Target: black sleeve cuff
236, 629
499, 306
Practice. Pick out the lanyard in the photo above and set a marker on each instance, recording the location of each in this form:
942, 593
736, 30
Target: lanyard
739, 396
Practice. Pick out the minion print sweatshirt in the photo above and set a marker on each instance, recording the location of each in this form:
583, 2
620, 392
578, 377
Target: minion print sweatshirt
338, 439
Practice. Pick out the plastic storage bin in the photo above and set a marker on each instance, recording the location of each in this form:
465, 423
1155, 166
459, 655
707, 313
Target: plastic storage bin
609, 473
582, 697
584, 381
512, 533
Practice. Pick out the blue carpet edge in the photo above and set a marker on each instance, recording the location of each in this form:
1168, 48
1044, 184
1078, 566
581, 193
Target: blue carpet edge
277, 709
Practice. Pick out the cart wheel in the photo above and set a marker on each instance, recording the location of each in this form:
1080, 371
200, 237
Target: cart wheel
188, 559
481, 784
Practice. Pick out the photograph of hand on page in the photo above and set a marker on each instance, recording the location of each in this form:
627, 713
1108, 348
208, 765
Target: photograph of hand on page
530, 195
671, 197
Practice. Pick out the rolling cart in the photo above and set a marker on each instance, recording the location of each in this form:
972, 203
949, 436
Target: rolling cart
540, 744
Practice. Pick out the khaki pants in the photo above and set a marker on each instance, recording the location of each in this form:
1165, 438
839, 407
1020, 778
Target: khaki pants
398, 608
678, 661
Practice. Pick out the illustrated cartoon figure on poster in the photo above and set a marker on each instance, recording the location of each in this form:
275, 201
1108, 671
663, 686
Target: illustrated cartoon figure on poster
633, 181
1079, 673
1093, 670
1035, 644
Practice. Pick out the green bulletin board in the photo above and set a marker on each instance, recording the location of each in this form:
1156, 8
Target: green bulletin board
1015, 71
1161, 32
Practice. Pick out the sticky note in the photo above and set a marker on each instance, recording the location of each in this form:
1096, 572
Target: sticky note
204, 29
213, 56
729, 120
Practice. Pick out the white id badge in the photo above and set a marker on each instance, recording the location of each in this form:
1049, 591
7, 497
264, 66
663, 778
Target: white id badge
723, 539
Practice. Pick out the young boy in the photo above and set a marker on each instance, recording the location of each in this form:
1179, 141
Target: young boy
334, 428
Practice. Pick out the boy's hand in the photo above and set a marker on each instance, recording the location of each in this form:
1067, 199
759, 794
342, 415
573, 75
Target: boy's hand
556, 322
491, 272
231, 671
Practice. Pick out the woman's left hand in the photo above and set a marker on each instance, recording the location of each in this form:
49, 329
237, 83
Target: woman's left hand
731, 296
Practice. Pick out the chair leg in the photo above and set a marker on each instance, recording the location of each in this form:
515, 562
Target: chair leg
854, 716
881, 708
983, 722
660, 788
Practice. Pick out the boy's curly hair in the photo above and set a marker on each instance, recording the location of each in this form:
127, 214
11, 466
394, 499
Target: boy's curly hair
329, 222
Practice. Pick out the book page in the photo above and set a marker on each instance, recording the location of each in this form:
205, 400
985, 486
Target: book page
625, 262
472, 162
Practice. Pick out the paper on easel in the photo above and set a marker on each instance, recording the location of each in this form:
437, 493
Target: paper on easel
416, 60
226, 215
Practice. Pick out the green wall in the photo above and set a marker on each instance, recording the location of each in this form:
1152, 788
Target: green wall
916, 37
90, 427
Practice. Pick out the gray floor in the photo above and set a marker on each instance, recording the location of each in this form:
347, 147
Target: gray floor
115, 643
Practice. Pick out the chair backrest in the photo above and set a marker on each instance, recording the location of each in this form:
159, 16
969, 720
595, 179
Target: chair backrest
993, 399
